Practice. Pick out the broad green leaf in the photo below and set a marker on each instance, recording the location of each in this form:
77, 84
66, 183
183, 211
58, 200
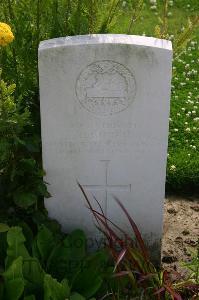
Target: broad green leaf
15, 270
27, 234
14, 282
3, 248
90, 277
34, 276
1, 288
24, 199
16, 248
53, 290
4, 227
77, 241
59, 259
77, 246
76, 296
14, 289
31, 297
45, 242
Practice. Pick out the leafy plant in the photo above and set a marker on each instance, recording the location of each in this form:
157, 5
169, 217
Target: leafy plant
21, 176
57, 267
133, 261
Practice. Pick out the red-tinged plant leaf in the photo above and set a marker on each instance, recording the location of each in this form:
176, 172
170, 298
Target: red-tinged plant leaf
121, 274
119, 259
87, 200
161, 290
135, 230
127, 237
175, 295
148, 276
99, 219
112, 235
165, 277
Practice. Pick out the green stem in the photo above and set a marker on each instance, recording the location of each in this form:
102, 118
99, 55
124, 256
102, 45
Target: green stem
12, 17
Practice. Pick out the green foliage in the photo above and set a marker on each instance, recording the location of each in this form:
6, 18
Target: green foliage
193, 267
32, 274
21, 177
133, 262
53, 290
16, 248
13, 280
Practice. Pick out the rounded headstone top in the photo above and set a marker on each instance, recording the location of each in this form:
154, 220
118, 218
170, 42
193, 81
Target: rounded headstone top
106, 39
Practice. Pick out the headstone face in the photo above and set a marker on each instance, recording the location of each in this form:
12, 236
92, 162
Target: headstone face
104, 116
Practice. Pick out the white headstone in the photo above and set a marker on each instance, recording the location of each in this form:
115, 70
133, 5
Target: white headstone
104, 117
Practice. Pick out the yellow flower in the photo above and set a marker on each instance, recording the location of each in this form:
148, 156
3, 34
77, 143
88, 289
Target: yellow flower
6, 35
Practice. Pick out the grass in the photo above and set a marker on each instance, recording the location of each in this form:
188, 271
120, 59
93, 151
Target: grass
183, 151
53, 18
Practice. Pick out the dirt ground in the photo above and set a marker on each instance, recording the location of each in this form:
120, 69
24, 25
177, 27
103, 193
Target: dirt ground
181, 230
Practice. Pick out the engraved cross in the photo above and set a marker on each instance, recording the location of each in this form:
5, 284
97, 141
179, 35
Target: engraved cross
106, 187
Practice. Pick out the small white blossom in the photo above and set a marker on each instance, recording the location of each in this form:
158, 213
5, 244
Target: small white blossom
173, 168
154, 7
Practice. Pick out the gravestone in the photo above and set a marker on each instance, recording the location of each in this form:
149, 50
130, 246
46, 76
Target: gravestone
104, 118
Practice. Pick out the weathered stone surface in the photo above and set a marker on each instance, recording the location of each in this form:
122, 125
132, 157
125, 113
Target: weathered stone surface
104, 117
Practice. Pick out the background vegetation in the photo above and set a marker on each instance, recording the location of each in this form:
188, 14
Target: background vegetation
33, 21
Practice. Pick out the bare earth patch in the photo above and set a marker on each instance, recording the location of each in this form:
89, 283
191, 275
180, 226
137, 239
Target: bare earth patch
181, 230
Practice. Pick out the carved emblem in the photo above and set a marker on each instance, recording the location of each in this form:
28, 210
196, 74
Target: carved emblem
105, 87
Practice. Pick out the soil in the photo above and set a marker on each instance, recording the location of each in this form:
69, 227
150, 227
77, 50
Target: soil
181, 231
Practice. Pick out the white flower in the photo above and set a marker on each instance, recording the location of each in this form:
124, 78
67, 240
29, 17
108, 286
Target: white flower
173, 168
186, 123
194, 147
193, 112
154, 7
188, 129
189, 154
176, 129
153, 2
